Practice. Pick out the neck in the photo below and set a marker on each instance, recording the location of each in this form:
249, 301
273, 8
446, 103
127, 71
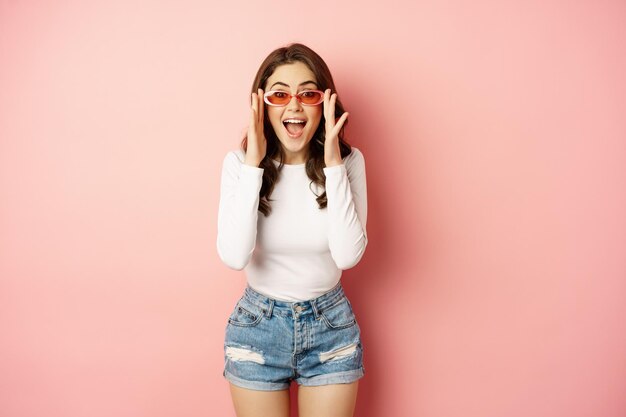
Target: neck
294, 159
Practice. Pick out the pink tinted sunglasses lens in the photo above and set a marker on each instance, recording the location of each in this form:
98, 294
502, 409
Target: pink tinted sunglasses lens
282, 98
311, 97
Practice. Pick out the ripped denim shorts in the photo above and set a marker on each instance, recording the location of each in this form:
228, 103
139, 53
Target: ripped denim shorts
269, 342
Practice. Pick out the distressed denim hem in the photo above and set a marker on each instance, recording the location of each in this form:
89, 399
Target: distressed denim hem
345, 377
255, 385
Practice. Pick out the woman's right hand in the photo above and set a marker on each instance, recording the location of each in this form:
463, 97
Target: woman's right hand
257, 144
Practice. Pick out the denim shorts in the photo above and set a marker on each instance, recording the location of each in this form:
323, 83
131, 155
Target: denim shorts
269, 342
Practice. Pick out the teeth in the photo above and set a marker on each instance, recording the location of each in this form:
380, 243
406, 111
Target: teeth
294, 121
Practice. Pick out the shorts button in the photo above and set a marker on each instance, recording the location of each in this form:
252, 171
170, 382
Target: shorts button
298, 309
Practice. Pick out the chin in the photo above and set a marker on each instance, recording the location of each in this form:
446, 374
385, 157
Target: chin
294, 144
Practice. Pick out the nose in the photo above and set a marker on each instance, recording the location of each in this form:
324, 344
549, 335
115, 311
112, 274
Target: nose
294, 104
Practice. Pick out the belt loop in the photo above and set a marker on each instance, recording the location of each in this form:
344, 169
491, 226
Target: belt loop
316, 314
270, 309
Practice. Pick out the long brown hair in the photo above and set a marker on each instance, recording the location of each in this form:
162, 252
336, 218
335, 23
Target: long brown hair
296, 52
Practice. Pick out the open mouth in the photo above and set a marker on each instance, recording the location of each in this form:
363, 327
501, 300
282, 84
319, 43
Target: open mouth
294, 127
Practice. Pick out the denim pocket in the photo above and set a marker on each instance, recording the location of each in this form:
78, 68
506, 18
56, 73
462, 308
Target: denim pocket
245, 315
339, 316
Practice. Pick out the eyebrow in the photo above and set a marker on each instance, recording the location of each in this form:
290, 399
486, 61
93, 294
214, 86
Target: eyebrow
287, 85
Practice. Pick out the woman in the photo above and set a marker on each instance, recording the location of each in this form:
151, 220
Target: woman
293, 322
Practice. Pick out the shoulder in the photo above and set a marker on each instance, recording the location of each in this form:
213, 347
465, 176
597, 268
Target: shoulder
232, 163
235, 156
234, 159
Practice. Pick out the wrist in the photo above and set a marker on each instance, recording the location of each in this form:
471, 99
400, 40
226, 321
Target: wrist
332, 163
332, 153
252, 162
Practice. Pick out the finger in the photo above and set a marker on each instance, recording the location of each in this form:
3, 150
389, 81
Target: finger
255, 102
331, 107
333, 101
261, 106
334, 131
253, 112
340, 122
252, 118
327, 105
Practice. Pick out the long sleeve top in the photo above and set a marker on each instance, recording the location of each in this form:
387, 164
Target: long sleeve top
298, 252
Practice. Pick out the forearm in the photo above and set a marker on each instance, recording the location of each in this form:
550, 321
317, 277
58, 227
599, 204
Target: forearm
347, 212
238, 214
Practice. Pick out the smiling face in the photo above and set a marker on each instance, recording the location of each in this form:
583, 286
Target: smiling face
294, 137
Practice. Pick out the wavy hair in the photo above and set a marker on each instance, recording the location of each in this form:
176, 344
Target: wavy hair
296, 52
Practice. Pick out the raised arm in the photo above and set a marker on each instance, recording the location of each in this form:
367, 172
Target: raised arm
239, 196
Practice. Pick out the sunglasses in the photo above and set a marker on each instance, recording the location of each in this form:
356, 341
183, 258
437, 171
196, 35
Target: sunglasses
282, 98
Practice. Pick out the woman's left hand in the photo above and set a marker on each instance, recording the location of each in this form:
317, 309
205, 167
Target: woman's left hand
332, 154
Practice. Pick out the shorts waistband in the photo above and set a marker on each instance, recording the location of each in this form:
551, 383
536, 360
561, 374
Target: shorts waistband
314, 306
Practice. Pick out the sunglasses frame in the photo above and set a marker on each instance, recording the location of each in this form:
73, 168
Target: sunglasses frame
297, 96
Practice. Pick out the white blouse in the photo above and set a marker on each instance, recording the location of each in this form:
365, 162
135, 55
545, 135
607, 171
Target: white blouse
296, 253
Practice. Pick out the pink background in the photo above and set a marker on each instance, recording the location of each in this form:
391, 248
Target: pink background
495, 139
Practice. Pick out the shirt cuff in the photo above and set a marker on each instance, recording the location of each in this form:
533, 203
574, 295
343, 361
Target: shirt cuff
335, 170
249, 170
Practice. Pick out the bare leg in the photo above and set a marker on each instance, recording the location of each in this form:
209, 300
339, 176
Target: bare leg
252, 403
336, 400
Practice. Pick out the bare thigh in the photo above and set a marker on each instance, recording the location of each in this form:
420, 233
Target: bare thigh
336, 400
252, 403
